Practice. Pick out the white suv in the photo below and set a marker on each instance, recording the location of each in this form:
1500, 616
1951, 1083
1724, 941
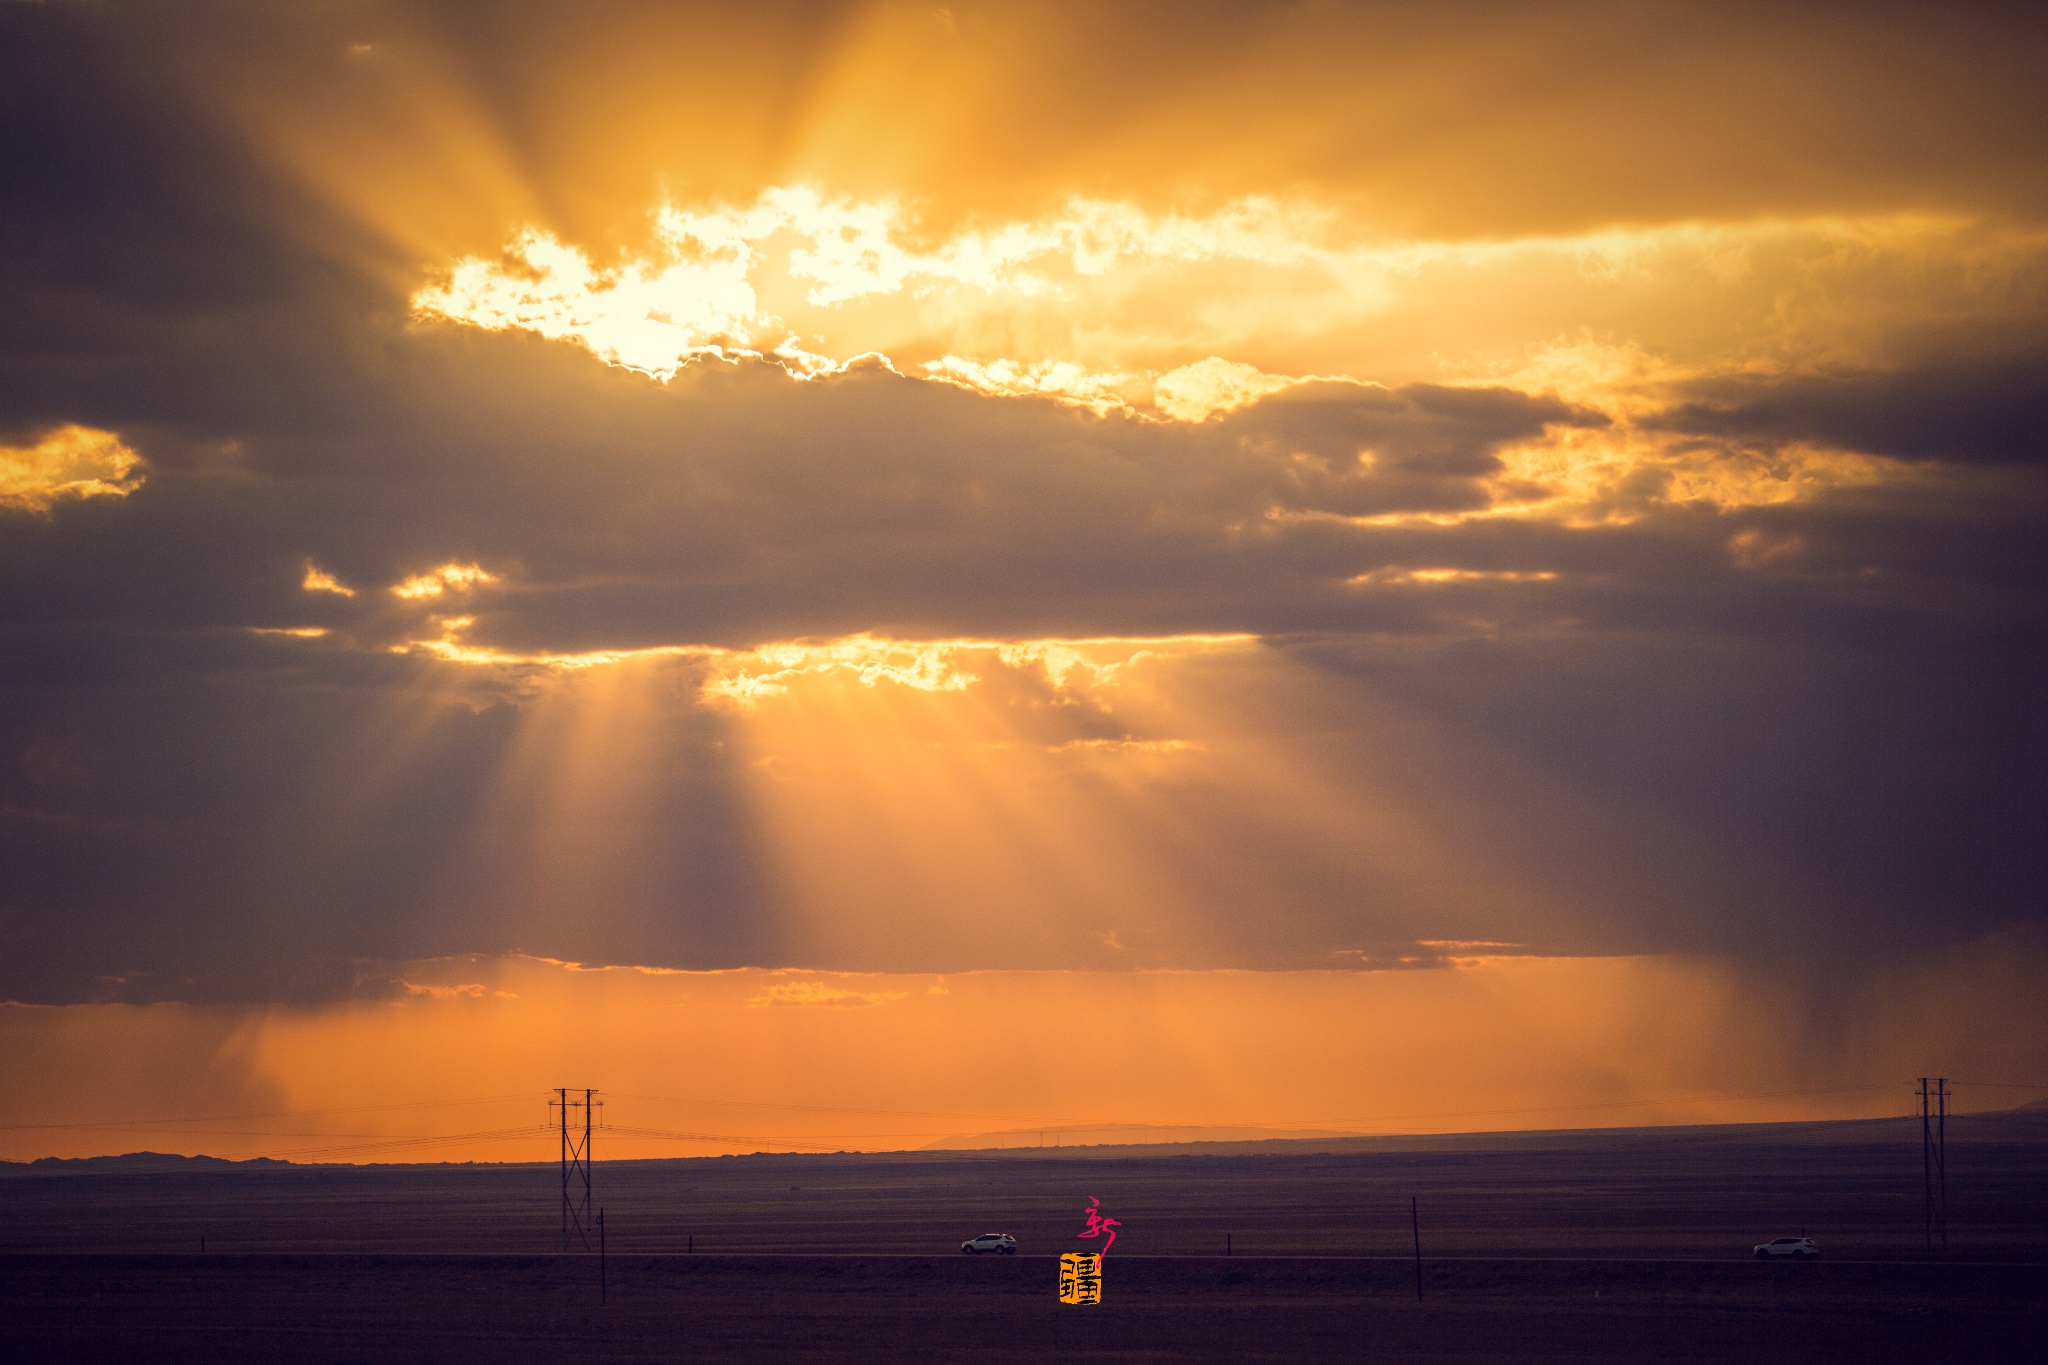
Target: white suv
1805, 1248
1001, 1243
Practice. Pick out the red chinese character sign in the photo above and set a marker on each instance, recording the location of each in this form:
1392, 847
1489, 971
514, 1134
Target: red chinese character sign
1098, 1226
1081, 1271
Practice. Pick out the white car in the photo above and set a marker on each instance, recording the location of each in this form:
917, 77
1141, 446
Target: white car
1805, 1248
1001, 1243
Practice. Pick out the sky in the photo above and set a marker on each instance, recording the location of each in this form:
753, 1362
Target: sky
853, 573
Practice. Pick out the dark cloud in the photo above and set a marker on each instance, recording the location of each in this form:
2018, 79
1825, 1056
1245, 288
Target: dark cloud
1836, 800
218, 824
1657, 747
1805, 729
1361, 450
1976, 410
736, 504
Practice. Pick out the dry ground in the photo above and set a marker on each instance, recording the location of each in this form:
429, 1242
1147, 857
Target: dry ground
1615, 1246
507, 1309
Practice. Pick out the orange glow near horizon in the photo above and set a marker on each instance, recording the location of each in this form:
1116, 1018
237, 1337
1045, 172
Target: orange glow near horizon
458, 1066
1125, 804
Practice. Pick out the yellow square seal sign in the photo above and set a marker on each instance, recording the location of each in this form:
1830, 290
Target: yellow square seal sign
1081, 1277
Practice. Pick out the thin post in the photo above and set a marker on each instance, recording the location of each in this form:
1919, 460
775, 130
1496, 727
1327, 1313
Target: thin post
1926, 1170
562, 1098
601, 1287
1415, 1223
1941, 1157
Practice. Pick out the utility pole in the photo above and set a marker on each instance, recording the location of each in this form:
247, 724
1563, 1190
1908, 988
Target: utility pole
1941, 1158
577, 1219
1415, 1223
1926, 1169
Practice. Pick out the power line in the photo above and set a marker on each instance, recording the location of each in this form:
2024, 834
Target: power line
811, 1141
393, 1144
267, 1133
1606, 1104
830, 1108
672, 1136
1382, 1118
663, 1134
252, 1118
956, 1114
502, 1134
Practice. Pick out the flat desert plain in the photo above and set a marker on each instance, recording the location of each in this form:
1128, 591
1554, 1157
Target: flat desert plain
1612, 1245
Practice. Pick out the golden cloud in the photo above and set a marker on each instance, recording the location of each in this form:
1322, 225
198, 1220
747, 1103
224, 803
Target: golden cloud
450, 647
318, 580
435, 582
1185, 314
70, 462
817, 993
745, 677
1060, 379
1194, 393
471, 990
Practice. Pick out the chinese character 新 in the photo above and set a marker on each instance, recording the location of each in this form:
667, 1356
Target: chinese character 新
1098, 1226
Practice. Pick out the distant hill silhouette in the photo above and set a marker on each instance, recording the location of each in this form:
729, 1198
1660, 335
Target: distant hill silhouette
139, 1163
